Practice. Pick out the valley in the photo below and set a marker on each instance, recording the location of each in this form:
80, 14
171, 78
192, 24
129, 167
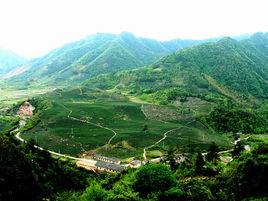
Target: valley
108, 113
111, 125
143, 112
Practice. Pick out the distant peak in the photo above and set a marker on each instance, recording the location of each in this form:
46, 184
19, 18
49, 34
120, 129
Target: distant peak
127, 35
259, 35
227, 40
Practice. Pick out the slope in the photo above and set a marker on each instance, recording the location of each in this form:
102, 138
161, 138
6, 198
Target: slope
9, 59
94, 55
227, 68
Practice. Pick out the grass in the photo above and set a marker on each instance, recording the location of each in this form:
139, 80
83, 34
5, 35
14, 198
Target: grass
11, 95
258, 138
59, 133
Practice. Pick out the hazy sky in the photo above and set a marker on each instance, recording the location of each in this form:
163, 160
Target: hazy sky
33, 27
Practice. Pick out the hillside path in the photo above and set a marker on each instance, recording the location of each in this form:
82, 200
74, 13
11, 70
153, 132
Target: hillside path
92, 123
163, 138
89, 161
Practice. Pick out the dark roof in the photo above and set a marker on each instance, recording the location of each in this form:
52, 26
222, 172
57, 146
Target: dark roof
110, 166
106, 158
136, 162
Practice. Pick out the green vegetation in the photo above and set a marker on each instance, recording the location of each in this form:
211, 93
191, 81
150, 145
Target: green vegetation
74, 123
7, 124
94, 55
37, 176
31, 174
212, 71
231, 118
153, 179
183, 110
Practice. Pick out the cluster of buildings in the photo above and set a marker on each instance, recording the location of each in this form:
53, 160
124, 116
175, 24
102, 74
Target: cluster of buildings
25, 110
101, 164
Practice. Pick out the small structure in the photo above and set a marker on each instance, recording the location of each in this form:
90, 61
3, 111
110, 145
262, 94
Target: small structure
135, 163
180, 158
110, 167
106, 159
99, 166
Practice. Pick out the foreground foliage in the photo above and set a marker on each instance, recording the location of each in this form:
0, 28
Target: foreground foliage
36, 176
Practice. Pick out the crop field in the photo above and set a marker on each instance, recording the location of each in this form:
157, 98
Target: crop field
5, 122
10, 95
2, 125
258, 138
81, 121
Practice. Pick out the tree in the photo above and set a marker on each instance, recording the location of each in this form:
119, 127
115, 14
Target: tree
170, 159
153, 178
196, 190
238, 148
199, 163
94, 193
173, 194
17, 181
213, 154
145, 128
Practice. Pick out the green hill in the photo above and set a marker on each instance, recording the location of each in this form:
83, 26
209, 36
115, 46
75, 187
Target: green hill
94, 55
227, 68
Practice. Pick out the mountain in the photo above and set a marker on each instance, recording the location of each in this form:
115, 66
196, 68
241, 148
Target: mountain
229, 68
9, 59
95, 55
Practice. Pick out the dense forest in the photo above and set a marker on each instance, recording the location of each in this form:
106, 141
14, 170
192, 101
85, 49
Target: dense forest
230, 117
30, 174
227, 68
94, 55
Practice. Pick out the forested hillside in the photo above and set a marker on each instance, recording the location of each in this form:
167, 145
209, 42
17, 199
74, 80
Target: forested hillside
94, 55
227, 68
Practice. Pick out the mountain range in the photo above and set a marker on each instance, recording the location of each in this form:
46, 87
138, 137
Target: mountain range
230, 68
95, 55
9, 60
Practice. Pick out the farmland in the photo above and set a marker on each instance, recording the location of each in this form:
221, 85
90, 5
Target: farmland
10, 95
82, 121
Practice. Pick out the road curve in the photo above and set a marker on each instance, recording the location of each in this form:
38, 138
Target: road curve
91, 162
89, 122
163, 138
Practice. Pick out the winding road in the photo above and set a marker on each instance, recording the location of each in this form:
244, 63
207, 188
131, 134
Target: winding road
92, 123
88, 161
163, 138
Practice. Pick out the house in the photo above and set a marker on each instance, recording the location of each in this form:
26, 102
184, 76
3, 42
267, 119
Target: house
106, 159
100, 166
135, 163
110, 167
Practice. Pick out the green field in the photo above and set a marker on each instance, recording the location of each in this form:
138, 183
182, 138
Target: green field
81, 121
10, 95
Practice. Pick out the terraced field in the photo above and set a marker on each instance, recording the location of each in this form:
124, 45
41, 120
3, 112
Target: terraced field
81, 121
10, 95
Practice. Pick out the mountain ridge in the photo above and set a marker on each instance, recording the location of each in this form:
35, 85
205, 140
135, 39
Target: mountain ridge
240, 67
80, 60
9, 59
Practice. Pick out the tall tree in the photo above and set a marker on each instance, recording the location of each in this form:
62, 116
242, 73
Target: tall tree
199, 163
213, 152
